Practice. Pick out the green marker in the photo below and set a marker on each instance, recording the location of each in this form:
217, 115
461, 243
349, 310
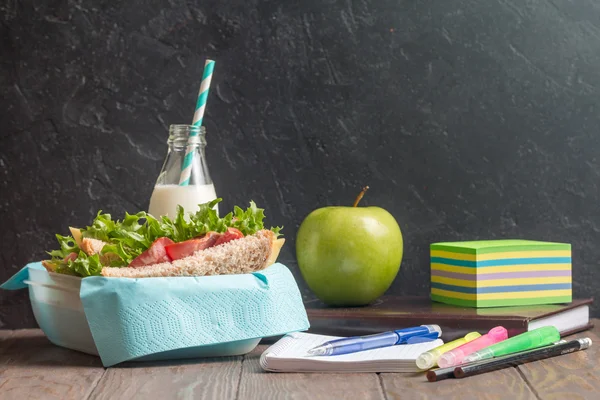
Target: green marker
525, 341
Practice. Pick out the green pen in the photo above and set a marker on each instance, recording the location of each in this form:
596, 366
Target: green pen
525, 341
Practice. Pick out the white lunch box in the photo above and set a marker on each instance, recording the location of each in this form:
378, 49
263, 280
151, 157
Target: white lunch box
59, 312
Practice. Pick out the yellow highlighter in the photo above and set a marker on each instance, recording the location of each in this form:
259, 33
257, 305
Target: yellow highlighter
429, 358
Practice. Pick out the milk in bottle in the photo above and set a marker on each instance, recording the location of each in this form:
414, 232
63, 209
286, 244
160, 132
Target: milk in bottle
167, 192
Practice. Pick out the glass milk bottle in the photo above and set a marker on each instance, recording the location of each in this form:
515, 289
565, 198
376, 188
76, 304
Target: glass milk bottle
167, 192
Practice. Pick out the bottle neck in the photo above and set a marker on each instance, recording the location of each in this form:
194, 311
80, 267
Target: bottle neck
182, 136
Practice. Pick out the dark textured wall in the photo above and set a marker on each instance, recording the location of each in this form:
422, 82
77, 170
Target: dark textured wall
469, 119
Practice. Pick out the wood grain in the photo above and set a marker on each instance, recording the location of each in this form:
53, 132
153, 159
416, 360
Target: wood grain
6, 334
33, 368
573, 376
6, 340
257, 384
215, 378
503, 384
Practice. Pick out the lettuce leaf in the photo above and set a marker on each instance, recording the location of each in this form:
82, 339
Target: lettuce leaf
67, 246
128, 238
84, 265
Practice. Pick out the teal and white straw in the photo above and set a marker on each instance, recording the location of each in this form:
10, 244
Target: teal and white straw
186, 167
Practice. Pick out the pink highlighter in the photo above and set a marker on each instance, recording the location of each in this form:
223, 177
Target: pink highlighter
455, 357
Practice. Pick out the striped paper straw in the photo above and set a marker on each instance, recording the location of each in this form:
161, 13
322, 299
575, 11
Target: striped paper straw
186, 167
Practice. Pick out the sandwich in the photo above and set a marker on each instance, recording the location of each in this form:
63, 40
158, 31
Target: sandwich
192, 244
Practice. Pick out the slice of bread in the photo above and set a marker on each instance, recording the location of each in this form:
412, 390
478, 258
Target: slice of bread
91, 246
50, 267
249, 254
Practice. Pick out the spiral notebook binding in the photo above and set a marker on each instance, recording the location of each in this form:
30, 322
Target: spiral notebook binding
276, 349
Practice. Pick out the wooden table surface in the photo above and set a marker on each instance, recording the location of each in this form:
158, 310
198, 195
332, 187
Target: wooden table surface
32, 368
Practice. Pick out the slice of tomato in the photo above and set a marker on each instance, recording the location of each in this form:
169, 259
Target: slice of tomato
231, 234
155, 254
184, 249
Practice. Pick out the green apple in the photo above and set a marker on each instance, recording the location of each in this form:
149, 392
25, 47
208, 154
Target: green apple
349, 256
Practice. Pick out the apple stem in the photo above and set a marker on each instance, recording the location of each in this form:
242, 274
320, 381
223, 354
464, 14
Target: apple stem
360, 196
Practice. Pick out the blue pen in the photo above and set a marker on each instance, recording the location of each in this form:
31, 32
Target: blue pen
385, 339
428, 337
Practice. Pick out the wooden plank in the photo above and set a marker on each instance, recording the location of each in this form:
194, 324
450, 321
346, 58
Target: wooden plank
257, 384
210, 378
573, 376
6, 334
5, 340
32, 367
506, 383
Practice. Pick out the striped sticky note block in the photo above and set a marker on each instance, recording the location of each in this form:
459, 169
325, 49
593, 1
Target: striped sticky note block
493, 273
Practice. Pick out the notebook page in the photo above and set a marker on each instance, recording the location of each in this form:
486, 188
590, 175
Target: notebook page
301, 342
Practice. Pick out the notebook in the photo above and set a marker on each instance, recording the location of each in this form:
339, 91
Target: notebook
289, 355
395, 312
